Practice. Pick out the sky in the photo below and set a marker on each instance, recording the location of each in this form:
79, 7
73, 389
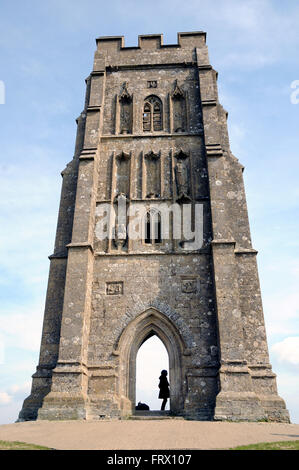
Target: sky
46, 52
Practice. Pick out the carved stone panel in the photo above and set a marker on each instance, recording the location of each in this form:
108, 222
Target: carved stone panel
152, 84
189, 286
115, 288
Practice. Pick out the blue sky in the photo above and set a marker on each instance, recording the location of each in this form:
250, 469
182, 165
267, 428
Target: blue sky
46, 51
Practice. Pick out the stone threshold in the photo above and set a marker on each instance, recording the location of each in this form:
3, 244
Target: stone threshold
154, 415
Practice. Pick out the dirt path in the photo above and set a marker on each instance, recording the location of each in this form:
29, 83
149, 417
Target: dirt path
146, 434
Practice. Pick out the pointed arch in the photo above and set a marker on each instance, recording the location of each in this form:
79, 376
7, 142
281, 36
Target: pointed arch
152, 114
151, 359
151, 322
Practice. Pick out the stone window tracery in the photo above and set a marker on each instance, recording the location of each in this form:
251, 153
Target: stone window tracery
152, 114
152, 228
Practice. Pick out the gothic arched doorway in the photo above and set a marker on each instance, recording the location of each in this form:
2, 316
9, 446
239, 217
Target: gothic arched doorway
151, 359
151, 322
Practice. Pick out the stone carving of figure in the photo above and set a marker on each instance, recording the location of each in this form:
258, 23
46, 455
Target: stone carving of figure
120, 235
182, 179
179, 109
125, 119
126, 110
152, 174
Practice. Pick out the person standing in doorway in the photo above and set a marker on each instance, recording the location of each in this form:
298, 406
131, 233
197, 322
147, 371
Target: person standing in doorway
164, 388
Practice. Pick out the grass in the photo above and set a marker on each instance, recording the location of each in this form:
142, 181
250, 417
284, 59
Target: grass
281, 445
16, 445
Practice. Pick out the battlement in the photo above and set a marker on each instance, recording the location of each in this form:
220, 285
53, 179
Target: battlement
186, 40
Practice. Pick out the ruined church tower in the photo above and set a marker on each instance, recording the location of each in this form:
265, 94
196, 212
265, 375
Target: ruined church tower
153, 136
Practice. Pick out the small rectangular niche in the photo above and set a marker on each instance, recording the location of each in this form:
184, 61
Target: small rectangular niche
115, 288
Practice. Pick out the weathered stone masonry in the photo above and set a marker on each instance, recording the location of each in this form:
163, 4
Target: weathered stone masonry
152, 131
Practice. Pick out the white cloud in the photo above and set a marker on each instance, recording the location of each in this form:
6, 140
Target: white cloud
5, 398
279, 276
29, 194
15, 392
22, 329
11, 401
282, 312
18, 391
261, 28
255, 32
288, 386
2, 359
287, 351
250, 59
28, 219
9, 413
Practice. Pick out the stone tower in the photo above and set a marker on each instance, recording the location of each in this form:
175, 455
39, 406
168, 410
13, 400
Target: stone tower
153, 137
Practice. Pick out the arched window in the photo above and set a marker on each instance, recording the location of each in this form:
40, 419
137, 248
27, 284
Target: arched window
152, 114
152, 228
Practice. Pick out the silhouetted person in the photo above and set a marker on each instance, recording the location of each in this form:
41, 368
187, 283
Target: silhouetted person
164, 388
